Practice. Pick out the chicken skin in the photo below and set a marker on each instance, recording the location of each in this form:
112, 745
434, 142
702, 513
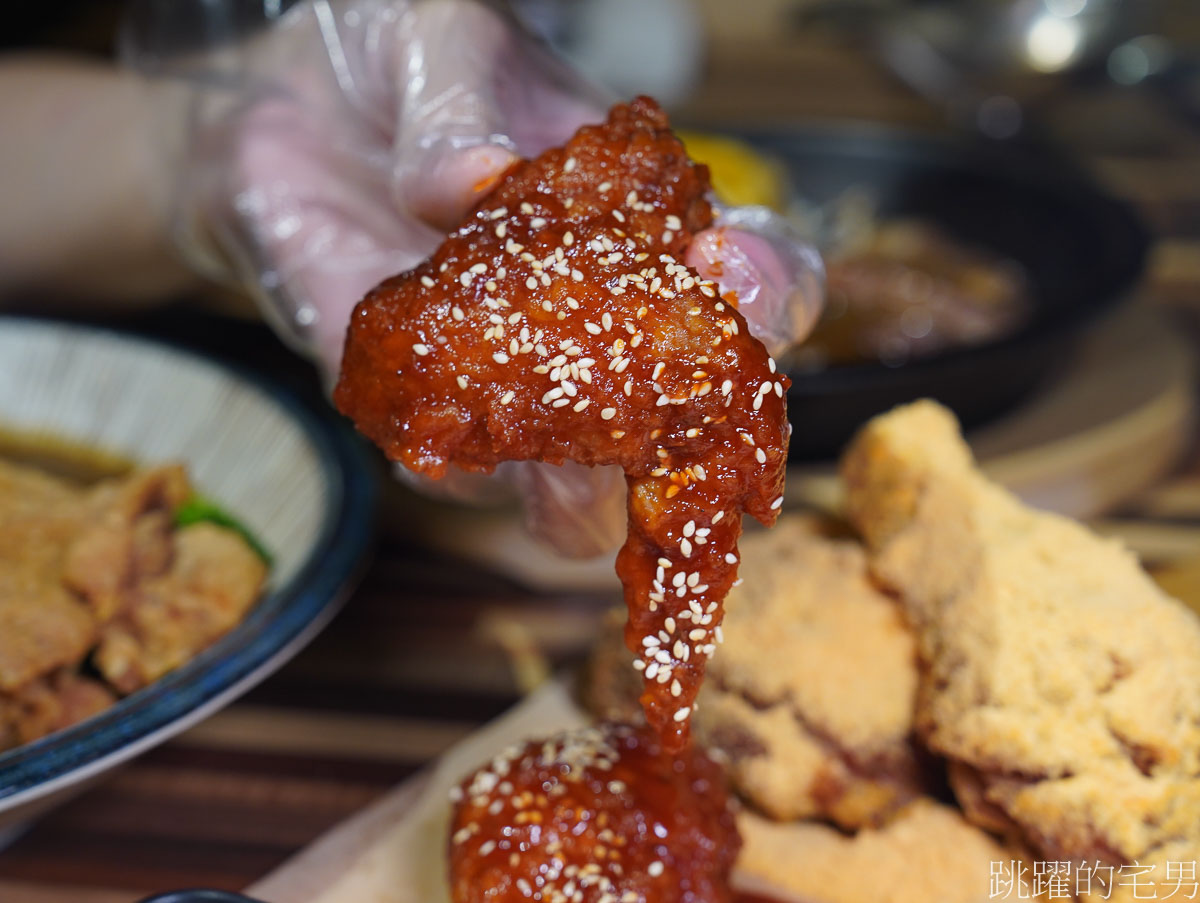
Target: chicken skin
557, 323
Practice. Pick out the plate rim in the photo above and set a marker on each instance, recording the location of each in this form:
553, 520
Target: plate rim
279, 625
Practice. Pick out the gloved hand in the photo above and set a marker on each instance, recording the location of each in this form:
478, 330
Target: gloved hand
337, 144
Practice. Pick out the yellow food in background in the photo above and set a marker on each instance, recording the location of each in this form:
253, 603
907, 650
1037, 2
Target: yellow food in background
740, 174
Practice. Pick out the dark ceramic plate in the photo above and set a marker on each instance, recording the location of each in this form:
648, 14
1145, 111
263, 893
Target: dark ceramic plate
294, 472
1081, 250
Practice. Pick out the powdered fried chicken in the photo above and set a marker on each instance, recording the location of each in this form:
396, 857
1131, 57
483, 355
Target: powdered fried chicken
559, 323
1062, 684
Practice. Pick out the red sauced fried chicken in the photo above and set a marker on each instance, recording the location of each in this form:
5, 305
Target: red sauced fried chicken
558, 323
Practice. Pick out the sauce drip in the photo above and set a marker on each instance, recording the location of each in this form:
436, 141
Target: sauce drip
597, 815
558, 322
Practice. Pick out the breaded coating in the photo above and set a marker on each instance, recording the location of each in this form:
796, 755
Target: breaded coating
1062, 683
812, 695
559, 323
927, 854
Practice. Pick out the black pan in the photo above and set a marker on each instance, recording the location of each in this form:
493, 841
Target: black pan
1082, 252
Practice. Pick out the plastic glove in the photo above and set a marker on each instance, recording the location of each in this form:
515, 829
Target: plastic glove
338, 143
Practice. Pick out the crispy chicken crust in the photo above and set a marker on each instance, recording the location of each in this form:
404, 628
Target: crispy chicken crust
1060, 682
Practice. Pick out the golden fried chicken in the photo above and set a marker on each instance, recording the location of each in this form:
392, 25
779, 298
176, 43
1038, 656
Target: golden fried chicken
558, 323
1060, 681
927, 852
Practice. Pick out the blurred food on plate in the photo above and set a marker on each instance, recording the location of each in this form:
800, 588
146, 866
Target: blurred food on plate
897, 288
108, 580
903, 289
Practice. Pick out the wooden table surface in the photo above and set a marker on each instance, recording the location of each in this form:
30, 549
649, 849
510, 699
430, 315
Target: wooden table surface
422, 652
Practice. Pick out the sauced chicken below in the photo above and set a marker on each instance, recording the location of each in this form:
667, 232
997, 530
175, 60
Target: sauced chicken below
101, 594
558, 322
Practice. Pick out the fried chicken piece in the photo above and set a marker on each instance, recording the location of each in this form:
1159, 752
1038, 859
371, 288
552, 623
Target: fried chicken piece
596, 815
927, 852
559, 323
1061, 682
812, 696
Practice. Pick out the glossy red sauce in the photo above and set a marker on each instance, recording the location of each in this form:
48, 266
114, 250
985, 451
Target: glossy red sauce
598, 815
559, 322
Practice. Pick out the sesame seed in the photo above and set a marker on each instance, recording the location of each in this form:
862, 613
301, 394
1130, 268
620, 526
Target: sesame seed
579, 406
689, 529
500, 357
421, 349
717, 518
608, 413
499, 212
604, 186
507, 397
569, 165
680, 715
537, 222
427, 282
568, 239
778, 503
686, 548
592, 328
760, 456
462, 382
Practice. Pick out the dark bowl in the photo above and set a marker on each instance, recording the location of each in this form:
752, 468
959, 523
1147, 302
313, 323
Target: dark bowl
1082, 252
